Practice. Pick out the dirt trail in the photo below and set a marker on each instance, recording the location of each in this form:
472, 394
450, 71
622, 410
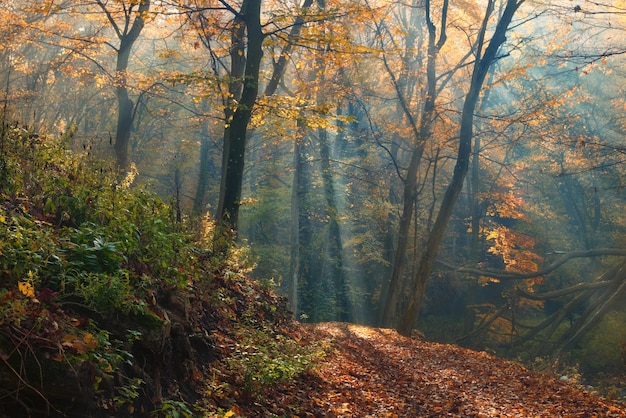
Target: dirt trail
378, 373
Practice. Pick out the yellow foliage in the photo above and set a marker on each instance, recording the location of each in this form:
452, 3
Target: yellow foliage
27, 289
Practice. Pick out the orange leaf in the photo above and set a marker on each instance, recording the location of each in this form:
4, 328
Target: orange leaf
79, 347
90, 341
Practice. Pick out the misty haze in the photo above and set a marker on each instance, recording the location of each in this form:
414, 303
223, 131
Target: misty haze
177, 175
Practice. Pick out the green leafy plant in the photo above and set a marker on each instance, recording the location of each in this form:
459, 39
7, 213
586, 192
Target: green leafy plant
261, 360
110, 294
173, 409
126, 394
80, 248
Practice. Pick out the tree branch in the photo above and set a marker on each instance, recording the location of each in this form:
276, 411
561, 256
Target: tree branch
599, 252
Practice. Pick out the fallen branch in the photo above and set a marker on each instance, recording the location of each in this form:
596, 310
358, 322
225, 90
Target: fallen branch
501, 275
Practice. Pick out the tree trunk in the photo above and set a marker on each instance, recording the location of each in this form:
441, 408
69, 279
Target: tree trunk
421, 133
206, 166
305, 260
404, 226
238, 64
294, 235
124, 124
235, 133
127, 35
333, 260
475, 187
481, 67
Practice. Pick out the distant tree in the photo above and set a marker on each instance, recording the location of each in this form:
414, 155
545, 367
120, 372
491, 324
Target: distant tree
73, 37
127, 21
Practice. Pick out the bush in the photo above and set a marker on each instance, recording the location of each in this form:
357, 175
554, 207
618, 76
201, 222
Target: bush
261, 360
83, 260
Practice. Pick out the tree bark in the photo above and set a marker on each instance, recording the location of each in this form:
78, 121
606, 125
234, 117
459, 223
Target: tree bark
294, 234
236, 130
481, 67
305, 259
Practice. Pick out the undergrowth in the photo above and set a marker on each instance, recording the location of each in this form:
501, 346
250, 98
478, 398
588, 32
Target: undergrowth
105, 294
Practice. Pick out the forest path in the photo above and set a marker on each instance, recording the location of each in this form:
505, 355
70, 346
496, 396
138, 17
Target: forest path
375, 372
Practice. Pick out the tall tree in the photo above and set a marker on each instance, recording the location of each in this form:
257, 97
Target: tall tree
247, 41
127, 26
245, 56
484, 58
421, 130
206, 32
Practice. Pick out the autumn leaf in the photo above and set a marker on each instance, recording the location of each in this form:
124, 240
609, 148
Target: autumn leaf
75, 343
90, 341
356, 380
68, 340
27, 289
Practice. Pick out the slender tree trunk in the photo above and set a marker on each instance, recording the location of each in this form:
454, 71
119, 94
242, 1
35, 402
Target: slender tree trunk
305, 260
475, 187
294, 235
421, 133
332, 264
481, 67
206, 166
474, 239
404, 226
333, 260
301, 237
124, 124
127, 36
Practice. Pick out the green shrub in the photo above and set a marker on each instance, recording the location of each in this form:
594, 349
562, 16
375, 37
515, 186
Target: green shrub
261, 360
69, 224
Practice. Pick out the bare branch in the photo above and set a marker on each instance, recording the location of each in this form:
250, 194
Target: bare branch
600, 252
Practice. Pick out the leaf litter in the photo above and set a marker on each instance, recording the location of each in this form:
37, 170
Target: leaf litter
372, 372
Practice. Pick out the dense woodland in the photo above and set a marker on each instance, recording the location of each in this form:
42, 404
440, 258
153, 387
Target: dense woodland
452, 167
